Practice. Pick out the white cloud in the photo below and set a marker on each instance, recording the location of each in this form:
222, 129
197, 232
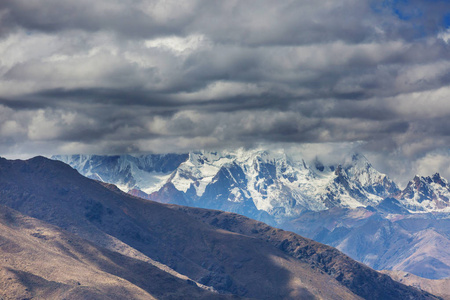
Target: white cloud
179, 45
433, 163
11, 128
422, 105
445, 36
223, 90
43, 127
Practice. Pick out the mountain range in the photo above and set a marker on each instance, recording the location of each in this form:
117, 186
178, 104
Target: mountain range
350, 206
261, 180
66, 236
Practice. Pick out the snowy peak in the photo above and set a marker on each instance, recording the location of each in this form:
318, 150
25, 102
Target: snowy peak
360, 161
439, 180
361, 168
273, 182
144, 172
372, 181
345, 191
355, 183
431, 193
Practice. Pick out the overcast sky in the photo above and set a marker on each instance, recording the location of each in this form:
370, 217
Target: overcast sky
127, 76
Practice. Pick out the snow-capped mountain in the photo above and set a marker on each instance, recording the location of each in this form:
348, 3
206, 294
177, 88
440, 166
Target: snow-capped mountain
147, 173
425, 194
356, 183
256, 183
372, 181
275, 183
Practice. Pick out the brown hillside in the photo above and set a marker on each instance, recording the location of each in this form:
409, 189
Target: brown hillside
38, 260
440, 287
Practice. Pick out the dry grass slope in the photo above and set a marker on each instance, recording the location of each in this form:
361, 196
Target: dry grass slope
38, 260
439, 287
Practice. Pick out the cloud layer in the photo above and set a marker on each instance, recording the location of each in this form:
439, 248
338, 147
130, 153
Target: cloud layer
157, 76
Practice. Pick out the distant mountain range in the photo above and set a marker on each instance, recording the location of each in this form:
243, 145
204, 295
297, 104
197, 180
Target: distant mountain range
350, 205
260, 181
63, 235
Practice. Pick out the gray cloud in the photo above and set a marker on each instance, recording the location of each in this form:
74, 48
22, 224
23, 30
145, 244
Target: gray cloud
158, 76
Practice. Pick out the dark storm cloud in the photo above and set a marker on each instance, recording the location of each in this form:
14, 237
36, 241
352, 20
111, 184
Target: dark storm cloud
120, 76
123, 18
20, 104
244, 22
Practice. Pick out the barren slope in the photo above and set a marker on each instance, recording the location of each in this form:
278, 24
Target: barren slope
38, 260
440, 287
359, 278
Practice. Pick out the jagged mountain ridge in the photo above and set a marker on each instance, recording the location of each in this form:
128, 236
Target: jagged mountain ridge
426, 194
229, 252
266, 185
262, 184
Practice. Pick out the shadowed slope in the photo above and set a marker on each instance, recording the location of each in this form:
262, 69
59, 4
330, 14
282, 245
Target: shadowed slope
41, 260
359, 278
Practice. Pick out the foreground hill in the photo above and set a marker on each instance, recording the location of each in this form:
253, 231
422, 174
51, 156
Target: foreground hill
42, 261
227, 254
